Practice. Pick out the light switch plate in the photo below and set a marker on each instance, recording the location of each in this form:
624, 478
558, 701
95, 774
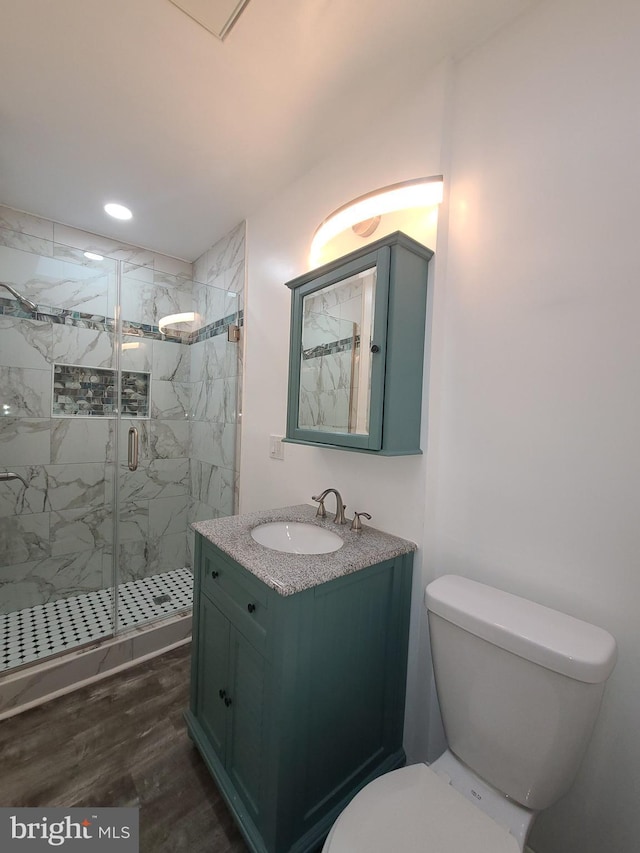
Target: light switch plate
276, 447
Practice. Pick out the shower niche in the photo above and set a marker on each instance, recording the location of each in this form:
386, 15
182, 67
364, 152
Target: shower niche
93, 392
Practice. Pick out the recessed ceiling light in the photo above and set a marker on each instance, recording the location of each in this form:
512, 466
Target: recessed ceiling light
118, 211
92, 256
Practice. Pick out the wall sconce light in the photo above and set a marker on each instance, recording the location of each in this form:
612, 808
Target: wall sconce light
363, 213
176, 321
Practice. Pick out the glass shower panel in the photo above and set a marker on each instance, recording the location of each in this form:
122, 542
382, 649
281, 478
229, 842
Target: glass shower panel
57, 401
215, 370
153, 495
179, 390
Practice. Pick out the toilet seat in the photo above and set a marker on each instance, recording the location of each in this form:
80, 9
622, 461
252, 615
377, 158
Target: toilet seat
414, 809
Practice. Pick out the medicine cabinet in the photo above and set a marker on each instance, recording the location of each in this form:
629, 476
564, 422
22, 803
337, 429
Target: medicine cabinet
357, 349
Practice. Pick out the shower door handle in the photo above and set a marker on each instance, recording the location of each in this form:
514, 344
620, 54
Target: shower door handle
133, 448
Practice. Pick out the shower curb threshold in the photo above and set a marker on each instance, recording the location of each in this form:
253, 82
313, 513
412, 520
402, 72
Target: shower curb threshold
37, 684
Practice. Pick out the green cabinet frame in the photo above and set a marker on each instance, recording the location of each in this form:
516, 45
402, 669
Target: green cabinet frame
314, 694
398, 337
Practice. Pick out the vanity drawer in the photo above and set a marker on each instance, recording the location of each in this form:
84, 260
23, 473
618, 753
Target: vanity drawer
242, 597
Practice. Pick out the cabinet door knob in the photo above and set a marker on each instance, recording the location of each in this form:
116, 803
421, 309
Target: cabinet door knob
227, 701
214, 574
222, 693
375, 348
251, 608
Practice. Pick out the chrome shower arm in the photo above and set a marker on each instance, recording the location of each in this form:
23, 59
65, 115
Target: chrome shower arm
25, 303
10, 475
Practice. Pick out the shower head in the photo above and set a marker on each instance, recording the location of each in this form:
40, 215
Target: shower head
25, 303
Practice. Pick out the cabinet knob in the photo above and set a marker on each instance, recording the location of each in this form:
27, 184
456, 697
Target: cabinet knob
375, 348
251, 608
214, 574
227, 701
222, 693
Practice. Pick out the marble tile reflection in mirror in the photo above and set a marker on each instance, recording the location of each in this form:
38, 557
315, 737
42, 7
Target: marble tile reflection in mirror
335, 368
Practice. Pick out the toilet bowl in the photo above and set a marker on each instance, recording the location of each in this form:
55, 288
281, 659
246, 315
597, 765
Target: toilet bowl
519, 687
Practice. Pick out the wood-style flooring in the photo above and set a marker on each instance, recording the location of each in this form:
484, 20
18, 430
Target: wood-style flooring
121, 742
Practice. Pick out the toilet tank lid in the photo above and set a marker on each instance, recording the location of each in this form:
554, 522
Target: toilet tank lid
544, 636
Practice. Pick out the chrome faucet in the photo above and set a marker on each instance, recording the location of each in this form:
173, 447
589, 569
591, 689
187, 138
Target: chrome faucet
340, 507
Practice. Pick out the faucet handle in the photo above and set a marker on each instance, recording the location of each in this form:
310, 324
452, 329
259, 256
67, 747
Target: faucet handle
356, 524
321, 513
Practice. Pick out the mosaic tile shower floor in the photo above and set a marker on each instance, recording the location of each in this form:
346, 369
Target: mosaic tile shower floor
37, 632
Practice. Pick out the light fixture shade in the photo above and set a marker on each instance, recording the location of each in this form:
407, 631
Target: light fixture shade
418, 192
176, 320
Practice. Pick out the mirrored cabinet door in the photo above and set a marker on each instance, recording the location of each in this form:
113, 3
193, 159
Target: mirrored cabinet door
340, 367
335, 359
343, 315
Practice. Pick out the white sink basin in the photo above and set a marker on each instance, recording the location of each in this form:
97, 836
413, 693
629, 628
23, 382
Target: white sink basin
296, 537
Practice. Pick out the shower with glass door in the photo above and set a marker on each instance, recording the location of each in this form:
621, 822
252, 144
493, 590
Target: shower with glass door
117, 429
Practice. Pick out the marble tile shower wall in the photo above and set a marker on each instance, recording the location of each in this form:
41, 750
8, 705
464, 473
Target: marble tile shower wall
327, 375
56, 536
216, 377
326, 389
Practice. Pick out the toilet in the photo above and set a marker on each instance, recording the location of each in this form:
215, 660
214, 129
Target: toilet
519, 687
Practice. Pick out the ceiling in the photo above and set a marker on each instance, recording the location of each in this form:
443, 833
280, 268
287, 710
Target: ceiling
136, 102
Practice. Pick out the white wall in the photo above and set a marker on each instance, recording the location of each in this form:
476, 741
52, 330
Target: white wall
531, 477
539, 464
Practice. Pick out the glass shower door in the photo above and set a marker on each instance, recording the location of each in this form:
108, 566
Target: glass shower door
57, 404
153, 493
177, 434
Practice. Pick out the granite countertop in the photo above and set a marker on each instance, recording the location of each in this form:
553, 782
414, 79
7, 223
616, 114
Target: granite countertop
291, 573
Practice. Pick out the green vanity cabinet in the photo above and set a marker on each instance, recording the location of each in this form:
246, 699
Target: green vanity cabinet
357, 349
297, 700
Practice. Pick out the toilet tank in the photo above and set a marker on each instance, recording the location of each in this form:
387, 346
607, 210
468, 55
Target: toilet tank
519, 686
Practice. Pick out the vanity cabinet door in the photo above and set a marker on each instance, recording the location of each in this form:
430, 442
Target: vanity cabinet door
213, 675
230, 702
245, 749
